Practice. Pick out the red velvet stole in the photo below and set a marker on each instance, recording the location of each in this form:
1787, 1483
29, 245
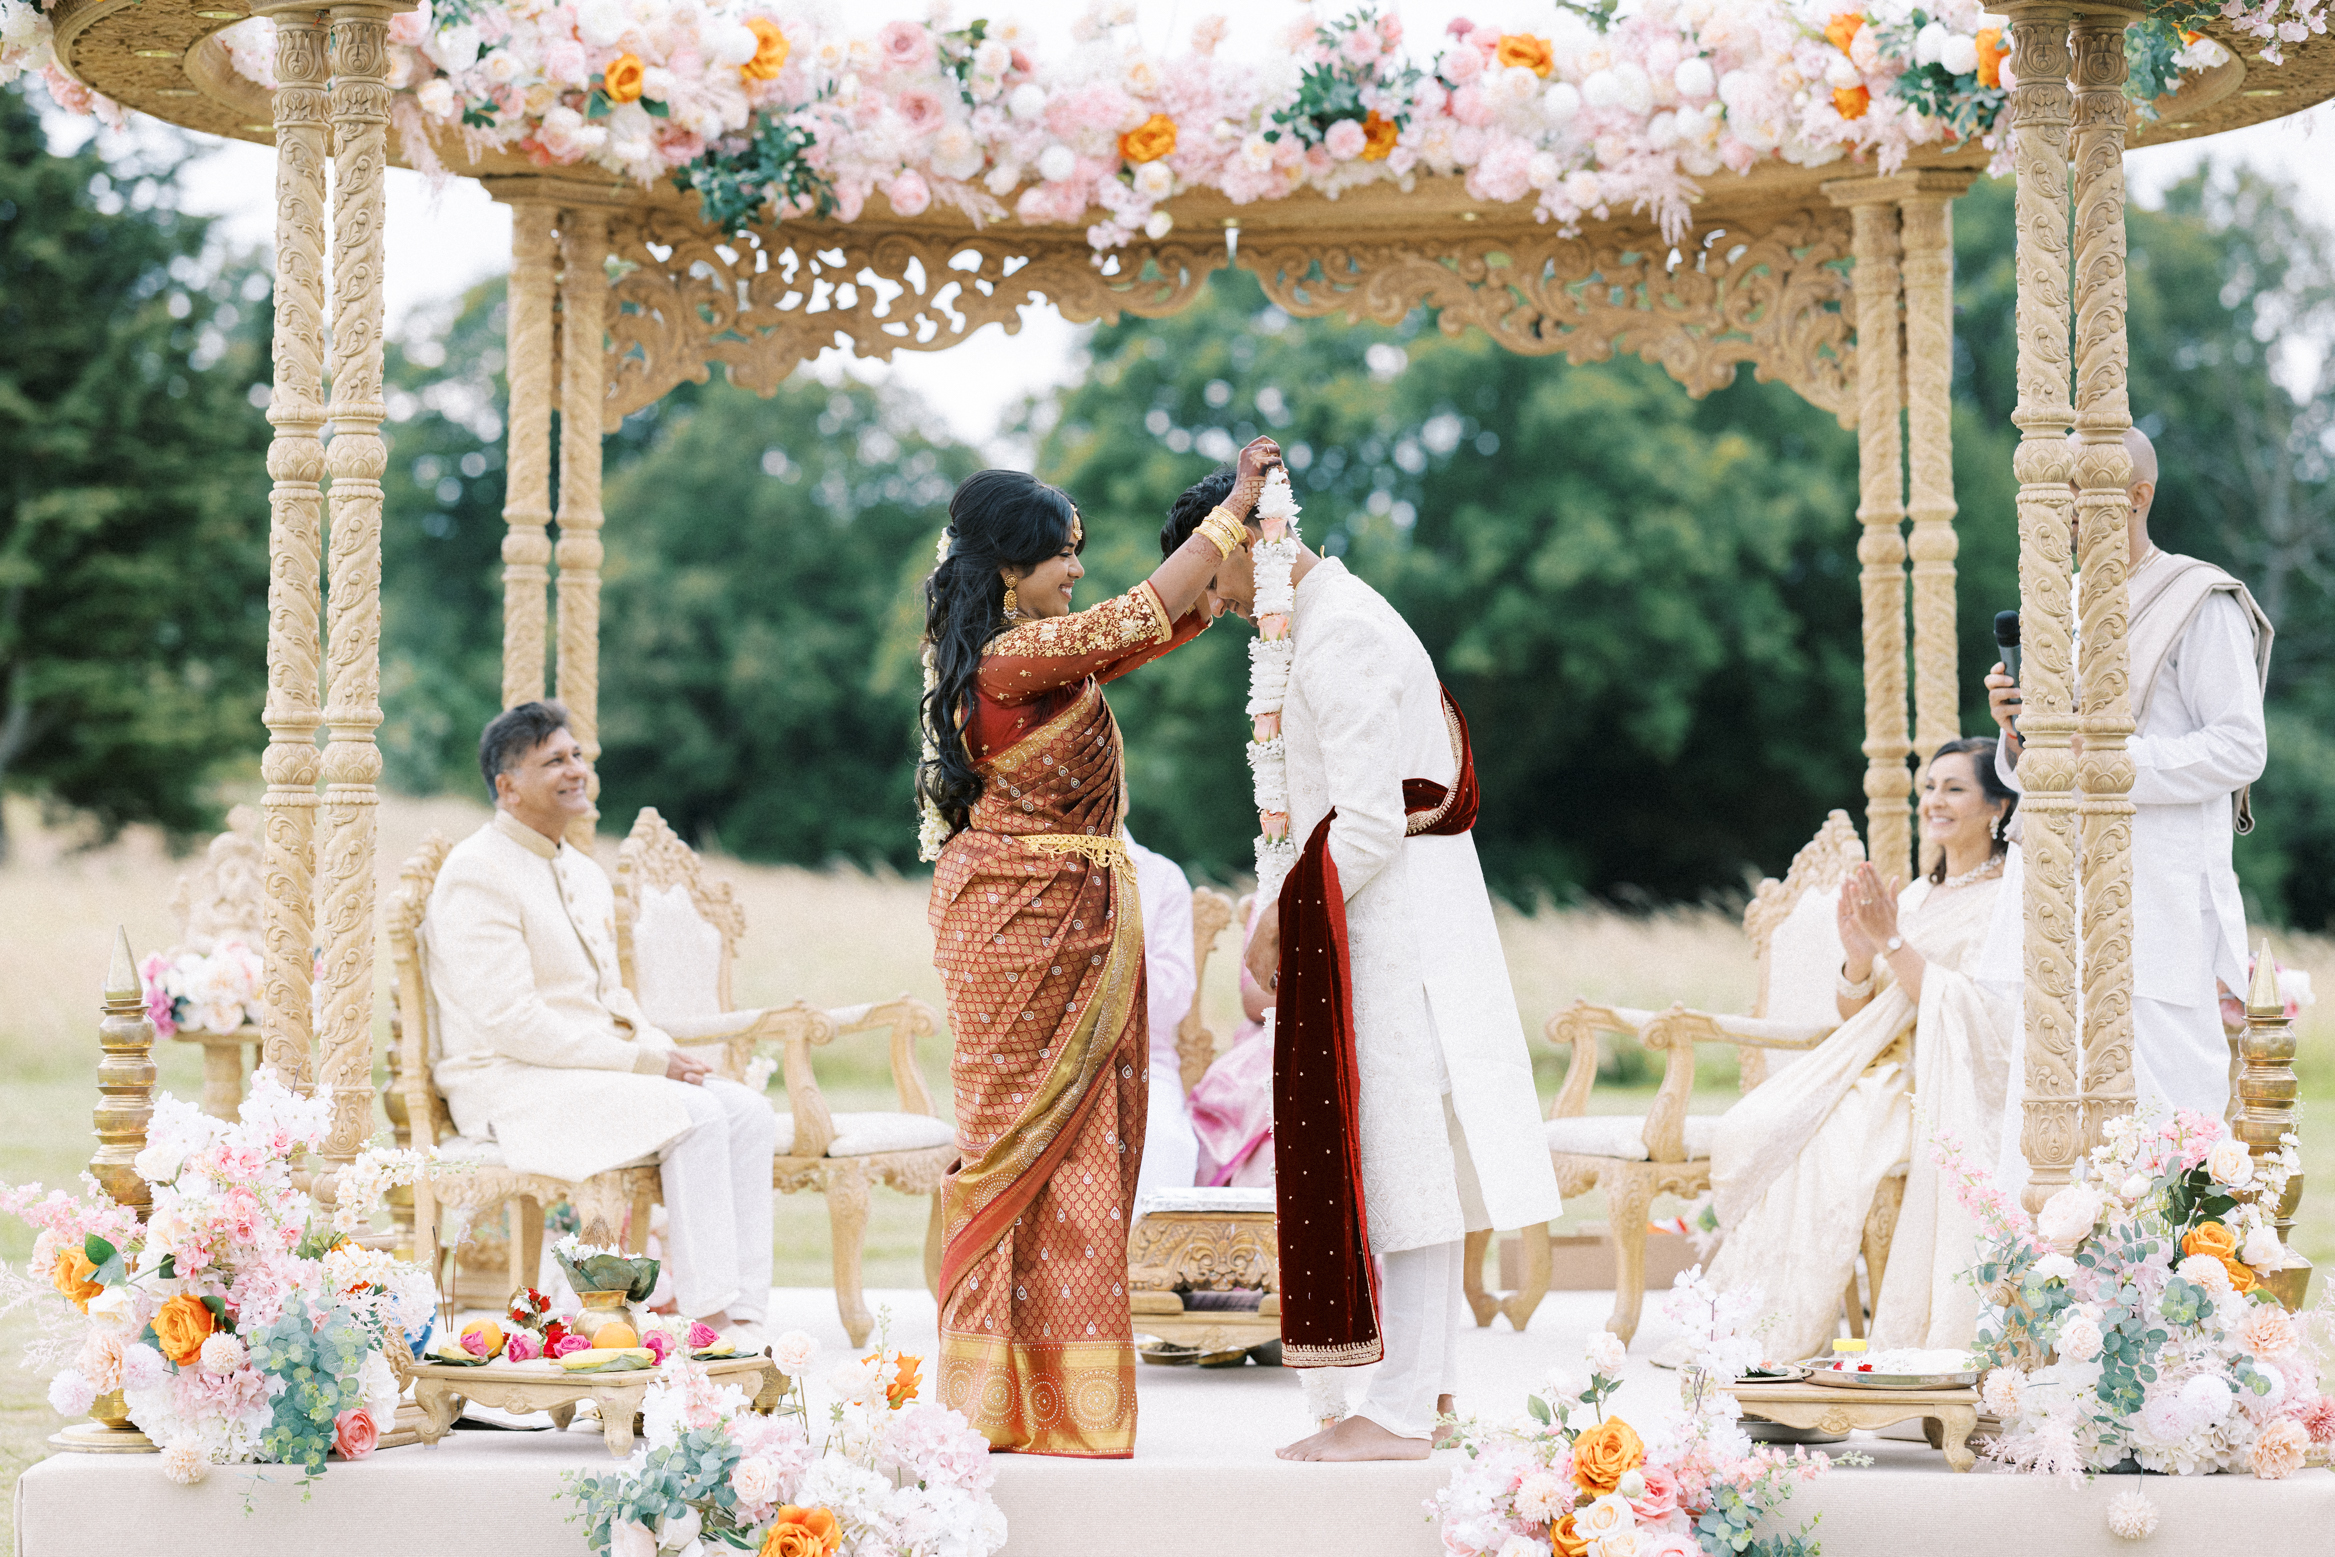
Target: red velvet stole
1329, 1284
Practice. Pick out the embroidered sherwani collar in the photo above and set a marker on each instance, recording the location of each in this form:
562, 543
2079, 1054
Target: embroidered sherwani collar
524, 836
1310, 588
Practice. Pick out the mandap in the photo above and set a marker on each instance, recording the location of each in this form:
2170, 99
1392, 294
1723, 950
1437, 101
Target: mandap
1710, 184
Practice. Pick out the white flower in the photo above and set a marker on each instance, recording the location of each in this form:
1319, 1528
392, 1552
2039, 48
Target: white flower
159, 1163
436, 97
856, 1381
2056, 1267
1003, 179
1637, 93
1539, 1497
2205, 1271
733, 43
1158, 225
2263, 1251
2067, 1218
2135, 1187
1256, 154
1693, 78
755, 1480
956, 151
1027, 102
1056, 163
71, 1394
2132, 1516
631, 1539
994, 57
2231, 1163
1605, 1353
2003, 1392
793, 1351
184, 1461
1601, 89
2205, 1400
1543, 170
601, 22
113, 1307
2079, 1339
1155, 180
676, 1533
1561, 101
1929, 44
1959, 54
223, 1354
376, 1382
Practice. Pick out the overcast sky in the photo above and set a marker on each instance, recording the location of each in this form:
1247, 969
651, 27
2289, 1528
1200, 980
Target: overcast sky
442, 242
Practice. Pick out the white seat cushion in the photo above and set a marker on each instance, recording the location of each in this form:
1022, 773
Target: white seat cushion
1623, 1136
489, 1154
865, 1135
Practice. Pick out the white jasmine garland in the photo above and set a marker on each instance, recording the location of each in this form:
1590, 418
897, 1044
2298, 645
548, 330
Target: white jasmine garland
1275, 559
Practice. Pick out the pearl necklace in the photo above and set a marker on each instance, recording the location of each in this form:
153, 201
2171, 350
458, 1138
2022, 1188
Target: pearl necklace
1270, 656
1994, 863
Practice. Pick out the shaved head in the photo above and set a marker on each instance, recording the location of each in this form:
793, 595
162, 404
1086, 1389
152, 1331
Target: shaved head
2143, 453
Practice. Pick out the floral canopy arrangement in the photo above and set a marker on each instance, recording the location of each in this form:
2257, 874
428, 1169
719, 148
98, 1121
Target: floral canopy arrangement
232, 1330
2128, 1317
884, 1474
771, 109
1569, 1479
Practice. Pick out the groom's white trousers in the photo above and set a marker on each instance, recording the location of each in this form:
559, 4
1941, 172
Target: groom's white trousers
717, 1201
1419, 1307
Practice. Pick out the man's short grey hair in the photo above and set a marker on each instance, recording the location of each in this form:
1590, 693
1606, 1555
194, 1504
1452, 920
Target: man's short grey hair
515, 732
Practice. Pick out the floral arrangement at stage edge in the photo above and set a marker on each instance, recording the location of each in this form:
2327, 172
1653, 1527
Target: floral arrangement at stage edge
2126, 1319
884, 1474
769, 109
1567, 1478
215, 992
231, 1328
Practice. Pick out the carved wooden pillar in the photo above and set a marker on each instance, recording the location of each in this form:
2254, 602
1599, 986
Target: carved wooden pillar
1881, 513
295, 534
527, 463
355, 458
125, 1084
2051, 1132
583, 308
1927, 209
2104, 473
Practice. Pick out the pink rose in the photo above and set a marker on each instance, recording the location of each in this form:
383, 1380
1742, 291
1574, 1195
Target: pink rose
1345, 140
568, 1345
475, 1343
1462, 66
522, 1347
354, 1434
920, 109
904, 46
909, 194
563, 62
1459, 27
1660, 1499
701, 1335
1668, 1543
660, 1344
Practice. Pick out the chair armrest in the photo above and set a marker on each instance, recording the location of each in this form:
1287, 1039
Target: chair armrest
794, 1028
1578, 1025
1750, 1031
909, 1020
1665, 1133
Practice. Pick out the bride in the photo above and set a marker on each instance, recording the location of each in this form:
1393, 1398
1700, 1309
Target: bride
1922, 1052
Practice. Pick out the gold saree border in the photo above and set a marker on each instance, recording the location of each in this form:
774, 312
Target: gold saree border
1075, 1399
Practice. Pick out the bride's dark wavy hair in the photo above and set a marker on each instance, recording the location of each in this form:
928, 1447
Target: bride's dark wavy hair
997, 519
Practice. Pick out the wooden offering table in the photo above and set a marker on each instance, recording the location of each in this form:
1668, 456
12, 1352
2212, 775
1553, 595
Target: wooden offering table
1192, 1256
1948, 1415
440, 1389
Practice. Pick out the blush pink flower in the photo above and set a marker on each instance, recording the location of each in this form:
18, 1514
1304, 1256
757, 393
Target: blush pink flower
568, 1345
2318, 1419
904, 46
909, 194
355, 1434
920, 109
522, 1347
1345, 140
1660, 1499
701, 1335
659, 1344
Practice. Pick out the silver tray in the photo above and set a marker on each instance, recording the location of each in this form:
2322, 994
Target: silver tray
1827, 1375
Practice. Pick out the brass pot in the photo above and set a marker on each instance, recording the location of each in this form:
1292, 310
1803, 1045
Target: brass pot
605, 1308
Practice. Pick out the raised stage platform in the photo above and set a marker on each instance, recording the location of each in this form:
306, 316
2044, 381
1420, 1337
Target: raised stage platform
1203, 1478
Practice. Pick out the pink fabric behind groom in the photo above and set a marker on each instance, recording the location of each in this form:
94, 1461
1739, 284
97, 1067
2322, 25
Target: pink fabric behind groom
1232, 1104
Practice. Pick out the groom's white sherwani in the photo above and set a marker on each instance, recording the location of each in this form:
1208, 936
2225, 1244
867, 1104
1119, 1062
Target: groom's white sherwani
1434, 1015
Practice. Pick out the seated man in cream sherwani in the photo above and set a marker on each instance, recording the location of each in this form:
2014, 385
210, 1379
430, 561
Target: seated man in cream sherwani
545, 1052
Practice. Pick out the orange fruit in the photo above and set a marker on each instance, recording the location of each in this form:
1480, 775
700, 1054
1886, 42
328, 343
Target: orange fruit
488, 1331
615, 1336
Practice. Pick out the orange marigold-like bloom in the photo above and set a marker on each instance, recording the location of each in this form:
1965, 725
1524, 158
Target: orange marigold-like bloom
70, 1275
623, 77
1992, 51
1842, 30
1851, 102
1378, 136
905, 1378
770, 53
1149, 141
802, 1532
1522, 48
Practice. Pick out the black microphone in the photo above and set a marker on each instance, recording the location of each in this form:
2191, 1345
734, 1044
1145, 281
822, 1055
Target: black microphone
2006, 637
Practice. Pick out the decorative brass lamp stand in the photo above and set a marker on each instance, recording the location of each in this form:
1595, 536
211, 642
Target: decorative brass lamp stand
2266, 1093
125, 1086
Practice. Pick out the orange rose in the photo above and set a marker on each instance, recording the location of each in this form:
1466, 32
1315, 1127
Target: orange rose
622, 79
1992, 51
1606, 1453
770, 57
1522, 48
1149, 141
802, 1532
2241, 1275
1851, 102
182, 1327
2210, 1238
70, 1275
1378, 136
902, 1389
1567, 1540
1842, 31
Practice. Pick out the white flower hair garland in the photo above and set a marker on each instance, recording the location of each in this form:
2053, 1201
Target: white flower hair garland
1269, 657
932, 829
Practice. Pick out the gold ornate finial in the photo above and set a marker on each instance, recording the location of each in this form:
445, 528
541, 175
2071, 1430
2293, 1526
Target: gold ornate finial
2265, 1114
125, 1083
2262, 999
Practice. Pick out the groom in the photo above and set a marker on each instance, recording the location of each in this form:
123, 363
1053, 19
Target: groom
1400, 1065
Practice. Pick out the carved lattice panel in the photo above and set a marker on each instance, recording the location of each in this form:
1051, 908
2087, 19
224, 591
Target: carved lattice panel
1771, 291
762, 303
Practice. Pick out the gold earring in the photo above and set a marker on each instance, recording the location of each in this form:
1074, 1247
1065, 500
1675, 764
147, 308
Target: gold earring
1013, 605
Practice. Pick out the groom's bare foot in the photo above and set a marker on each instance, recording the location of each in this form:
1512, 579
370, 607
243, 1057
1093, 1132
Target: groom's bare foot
1356, 1438
1446, 1433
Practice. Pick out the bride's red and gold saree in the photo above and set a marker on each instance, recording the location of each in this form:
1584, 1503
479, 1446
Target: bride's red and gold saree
1039, 940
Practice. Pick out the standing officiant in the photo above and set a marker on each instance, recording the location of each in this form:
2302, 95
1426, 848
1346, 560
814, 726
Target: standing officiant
2200, 651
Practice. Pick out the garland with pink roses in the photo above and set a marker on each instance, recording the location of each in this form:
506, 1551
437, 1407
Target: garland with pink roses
769, 109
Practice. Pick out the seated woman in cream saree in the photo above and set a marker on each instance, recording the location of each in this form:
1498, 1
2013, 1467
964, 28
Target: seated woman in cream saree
1923, 1052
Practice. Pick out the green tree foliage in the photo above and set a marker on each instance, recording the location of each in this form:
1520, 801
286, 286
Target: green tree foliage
133, 489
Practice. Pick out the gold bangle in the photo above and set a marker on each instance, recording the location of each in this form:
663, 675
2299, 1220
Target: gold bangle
1223, 532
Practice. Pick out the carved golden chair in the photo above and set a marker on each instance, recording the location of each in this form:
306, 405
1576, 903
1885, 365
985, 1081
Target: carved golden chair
218, 901
677, 936
1796, 942
1195, 1043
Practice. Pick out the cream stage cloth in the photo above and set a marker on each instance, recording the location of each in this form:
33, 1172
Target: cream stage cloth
1794, 1166
1171, 1151
1434, 1013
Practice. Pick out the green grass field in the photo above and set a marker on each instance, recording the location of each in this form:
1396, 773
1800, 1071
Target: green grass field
832, 938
